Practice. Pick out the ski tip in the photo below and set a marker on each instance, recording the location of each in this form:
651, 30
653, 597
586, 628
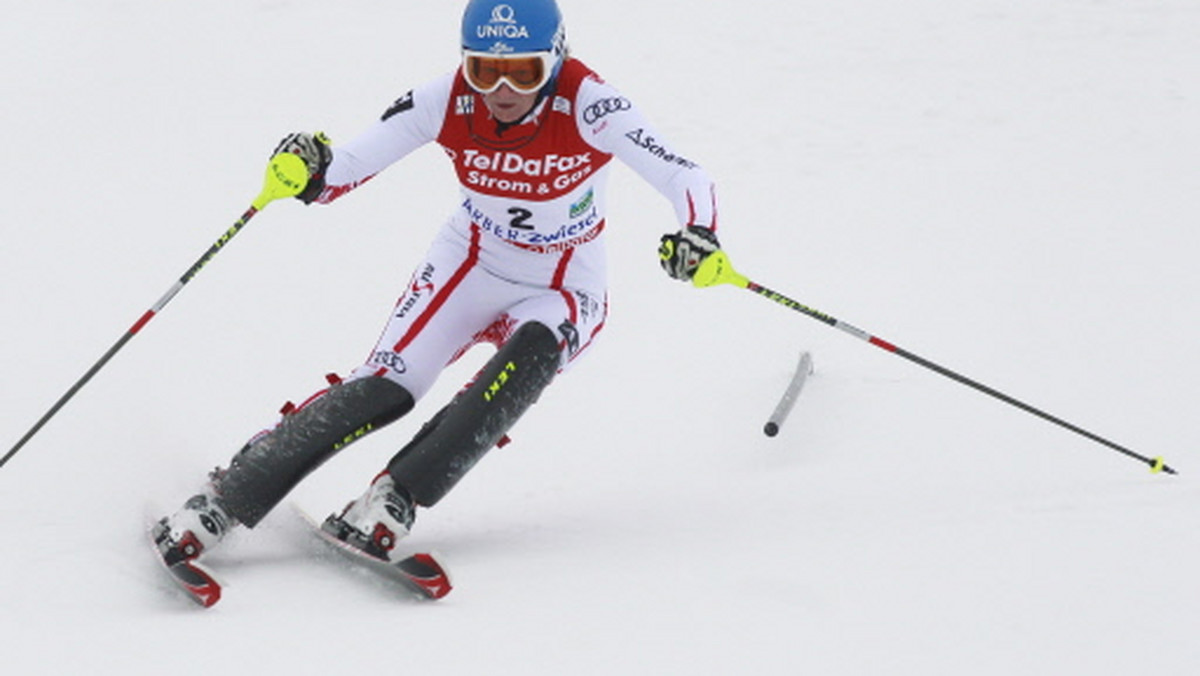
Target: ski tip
199, 584
427, 574
207, 598
422, 573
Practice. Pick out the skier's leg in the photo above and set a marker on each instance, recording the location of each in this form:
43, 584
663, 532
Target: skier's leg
442, 306
448, 300
264, 471
540, 331
545, 333
452, 442
272, 464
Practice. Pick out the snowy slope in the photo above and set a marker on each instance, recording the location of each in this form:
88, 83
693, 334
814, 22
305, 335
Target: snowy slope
1007, 187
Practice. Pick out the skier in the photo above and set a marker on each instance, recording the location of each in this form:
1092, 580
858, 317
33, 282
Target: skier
520, 263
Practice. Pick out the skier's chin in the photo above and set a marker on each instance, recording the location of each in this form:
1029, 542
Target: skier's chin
507, 106
507, 115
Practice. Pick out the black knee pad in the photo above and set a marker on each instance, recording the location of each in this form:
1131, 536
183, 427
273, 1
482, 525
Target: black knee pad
460, 434
268, 468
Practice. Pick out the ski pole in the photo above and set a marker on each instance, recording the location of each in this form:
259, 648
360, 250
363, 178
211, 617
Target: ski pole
286, 176
716, 270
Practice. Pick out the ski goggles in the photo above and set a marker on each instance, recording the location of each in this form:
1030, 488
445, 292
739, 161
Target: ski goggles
525, 73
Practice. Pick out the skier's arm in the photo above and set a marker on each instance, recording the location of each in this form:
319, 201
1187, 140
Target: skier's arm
412, 121
613, 124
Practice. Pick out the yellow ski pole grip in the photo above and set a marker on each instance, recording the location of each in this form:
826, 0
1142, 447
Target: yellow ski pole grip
287, 176
716, 269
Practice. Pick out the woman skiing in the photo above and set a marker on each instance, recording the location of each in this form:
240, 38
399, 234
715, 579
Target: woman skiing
520, 263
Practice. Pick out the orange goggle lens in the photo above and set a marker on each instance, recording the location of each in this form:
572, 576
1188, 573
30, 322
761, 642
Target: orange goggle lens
524, 73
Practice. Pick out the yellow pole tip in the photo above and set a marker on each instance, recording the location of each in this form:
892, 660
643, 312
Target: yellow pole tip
1158, 465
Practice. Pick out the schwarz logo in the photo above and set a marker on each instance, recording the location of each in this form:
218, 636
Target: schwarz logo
605, 107
651, 145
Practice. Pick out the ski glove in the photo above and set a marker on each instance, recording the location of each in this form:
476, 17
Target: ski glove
682, 252
314, 150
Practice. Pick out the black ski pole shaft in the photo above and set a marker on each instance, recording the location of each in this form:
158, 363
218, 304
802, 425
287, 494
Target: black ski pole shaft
717, 269
284, 178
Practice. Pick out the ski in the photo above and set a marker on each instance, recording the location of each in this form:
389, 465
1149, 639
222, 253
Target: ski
421, 573
196, 581
192, 577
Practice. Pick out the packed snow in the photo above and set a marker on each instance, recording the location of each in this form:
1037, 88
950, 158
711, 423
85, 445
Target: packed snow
1006, 187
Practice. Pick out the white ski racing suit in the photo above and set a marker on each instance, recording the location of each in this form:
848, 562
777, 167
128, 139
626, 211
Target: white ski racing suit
526, 243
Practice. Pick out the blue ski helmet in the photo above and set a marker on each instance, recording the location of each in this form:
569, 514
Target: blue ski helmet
514, 27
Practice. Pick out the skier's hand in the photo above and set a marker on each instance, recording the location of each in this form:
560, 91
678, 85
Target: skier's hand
314, 150
682, 252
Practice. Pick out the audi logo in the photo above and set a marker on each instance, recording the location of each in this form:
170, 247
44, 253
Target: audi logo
604, 107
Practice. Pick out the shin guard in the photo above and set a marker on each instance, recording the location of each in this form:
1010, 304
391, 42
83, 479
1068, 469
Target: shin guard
477, 418
270, 466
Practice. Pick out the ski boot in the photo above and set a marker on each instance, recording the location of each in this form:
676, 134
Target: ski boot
181, 538
197, 527
375, 521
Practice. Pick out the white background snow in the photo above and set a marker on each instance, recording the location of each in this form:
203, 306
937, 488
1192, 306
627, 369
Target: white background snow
1006, 187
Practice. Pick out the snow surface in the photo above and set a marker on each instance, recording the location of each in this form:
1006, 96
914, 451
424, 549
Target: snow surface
1006, 187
